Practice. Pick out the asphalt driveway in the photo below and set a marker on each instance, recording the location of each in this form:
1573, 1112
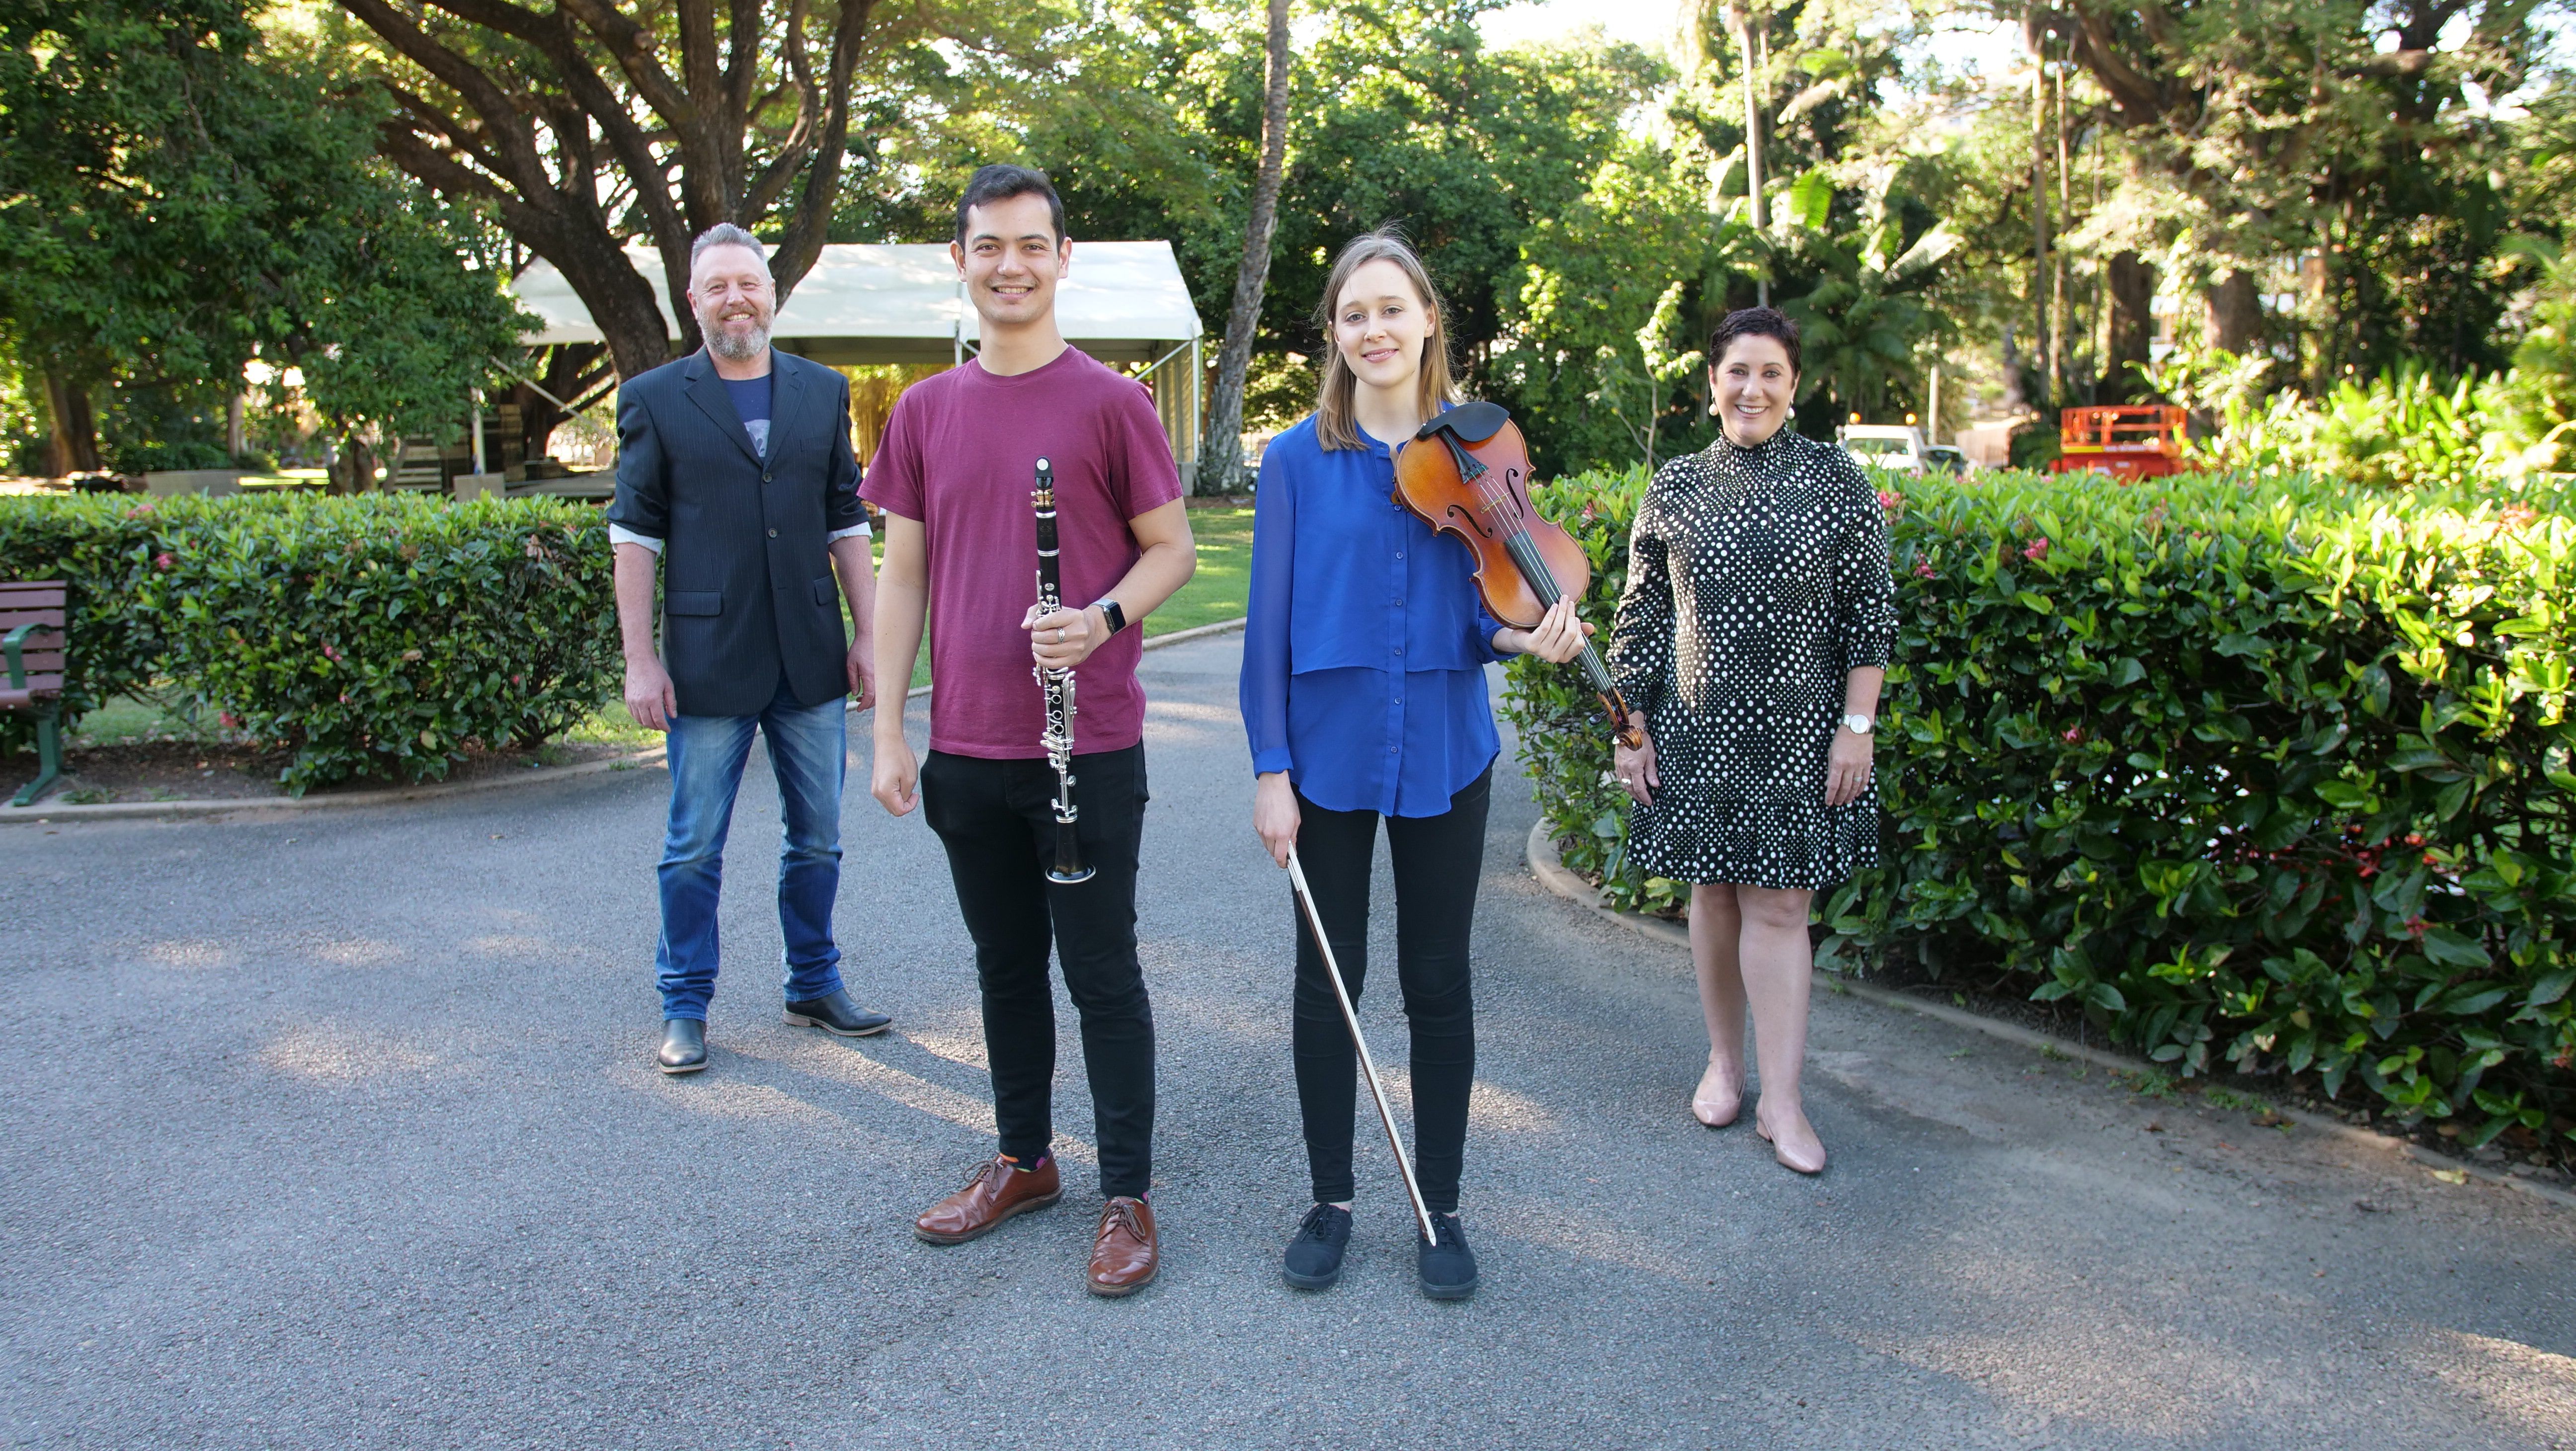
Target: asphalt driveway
340, 1130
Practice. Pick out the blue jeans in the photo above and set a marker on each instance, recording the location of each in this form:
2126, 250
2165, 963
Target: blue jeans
808, 755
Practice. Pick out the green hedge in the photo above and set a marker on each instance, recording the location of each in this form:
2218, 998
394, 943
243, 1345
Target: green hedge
2268, 774
373, 636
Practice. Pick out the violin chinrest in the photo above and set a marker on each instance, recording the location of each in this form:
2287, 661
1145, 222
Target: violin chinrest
1468, 422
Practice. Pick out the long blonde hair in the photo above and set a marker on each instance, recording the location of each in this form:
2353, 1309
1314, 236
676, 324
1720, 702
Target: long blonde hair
1334, 425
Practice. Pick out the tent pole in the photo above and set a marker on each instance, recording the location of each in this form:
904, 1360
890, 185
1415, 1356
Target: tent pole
1198, 420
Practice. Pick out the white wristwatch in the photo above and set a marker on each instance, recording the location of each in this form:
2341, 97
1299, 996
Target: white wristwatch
1857, 724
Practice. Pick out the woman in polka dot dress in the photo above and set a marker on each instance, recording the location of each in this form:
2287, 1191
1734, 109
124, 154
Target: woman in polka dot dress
1754, 637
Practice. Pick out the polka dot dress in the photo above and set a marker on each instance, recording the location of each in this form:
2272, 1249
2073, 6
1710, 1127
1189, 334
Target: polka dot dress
1757, 579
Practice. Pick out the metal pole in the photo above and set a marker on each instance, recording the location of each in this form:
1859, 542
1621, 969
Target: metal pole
477, 397
1198, 408
1368, 1066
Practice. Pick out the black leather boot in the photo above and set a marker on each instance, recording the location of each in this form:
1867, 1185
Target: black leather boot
684, 1045
837, 1014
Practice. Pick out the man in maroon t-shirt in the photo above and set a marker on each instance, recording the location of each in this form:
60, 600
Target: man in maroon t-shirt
953, 476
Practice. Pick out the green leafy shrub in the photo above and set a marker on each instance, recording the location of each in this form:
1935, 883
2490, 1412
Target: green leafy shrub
2408, 428
371, 636
98, 544
2272, 773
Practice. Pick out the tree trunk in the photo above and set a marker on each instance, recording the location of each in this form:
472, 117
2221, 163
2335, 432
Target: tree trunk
621, 302
2061, 368
355, 470
2016, 398
1745, 21
71, 446
2235, 312
686, 90
2131, 284
2041, 334
1221, 445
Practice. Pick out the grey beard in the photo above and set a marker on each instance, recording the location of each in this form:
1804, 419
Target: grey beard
740, 350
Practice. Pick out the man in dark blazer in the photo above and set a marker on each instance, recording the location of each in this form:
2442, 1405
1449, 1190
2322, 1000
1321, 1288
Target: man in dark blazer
735, 477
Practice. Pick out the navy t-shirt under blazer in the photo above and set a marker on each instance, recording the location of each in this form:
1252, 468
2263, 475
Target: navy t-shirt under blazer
1364, 640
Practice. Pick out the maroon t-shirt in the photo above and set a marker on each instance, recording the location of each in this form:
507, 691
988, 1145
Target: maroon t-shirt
960, 455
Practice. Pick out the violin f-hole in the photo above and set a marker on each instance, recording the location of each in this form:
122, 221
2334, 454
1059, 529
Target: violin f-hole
1468, 517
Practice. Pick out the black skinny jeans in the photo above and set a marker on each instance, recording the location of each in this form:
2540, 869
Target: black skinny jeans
997, 821
1438, 861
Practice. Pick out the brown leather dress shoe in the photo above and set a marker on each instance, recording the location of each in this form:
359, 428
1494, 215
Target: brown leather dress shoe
993, 1193
1124, 1254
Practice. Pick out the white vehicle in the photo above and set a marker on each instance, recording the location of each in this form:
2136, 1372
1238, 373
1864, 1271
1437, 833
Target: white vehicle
1896, 446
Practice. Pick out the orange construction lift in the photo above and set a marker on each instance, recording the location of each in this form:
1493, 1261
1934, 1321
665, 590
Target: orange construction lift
2124, 440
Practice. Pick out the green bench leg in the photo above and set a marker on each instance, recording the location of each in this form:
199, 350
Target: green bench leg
49, 757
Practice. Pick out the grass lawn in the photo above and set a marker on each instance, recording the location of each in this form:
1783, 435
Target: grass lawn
289, 479
1224, 581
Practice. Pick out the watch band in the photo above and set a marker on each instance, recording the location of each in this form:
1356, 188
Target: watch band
1110, 612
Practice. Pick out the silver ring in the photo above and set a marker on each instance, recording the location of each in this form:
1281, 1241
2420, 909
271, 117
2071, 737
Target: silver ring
1059, 634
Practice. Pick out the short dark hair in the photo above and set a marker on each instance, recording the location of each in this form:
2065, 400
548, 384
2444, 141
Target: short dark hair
1001, 182
1745, 322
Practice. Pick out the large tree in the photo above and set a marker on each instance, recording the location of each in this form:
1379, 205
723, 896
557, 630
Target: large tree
2258, 131
173, 201
585, 123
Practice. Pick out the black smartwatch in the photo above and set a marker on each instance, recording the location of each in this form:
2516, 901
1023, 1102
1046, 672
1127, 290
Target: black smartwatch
1110, 612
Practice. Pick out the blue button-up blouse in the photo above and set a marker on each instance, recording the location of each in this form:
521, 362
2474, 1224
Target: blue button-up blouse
1364, 641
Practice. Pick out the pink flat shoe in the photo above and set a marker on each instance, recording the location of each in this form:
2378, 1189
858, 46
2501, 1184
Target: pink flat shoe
1780, 1151
1717, 1100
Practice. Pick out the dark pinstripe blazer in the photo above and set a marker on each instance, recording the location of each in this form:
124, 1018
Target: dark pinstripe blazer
747, 591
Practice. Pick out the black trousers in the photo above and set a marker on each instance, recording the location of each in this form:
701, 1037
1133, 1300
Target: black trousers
1438, 860
997, 821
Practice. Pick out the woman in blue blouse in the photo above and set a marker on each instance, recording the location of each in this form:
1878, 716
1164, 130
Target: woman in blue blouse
1364, 697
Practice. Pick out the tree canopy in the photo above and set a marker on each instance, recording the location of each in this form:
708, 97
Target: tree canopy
179, 195
2322, 188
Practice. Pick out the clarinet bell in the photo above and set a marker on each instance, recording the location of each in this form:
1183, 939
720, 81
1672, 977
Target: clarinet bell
1069, 866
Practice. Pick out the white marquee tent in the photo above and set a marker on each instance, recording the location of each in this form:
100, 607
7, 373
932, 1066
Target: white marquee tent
863, 303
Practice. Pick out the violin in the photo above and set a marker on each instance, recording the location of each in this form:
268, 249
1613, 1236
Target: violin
1467, 473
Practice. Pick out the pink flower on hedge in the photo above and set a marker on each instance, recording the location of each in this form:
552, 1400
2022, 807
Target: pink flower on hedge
516, 679
2073, 734
162, 561
1923, 569
2036, 550
2514, 516
231, 721
330, 652
2415, 927
1890, 499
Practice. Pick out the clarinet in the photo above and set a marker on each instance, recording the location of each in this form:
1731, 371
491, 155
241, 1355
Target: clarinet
1058, 686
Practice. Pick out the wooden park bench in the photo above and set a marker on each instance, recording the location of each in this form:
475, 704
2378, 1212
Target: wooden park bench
35, 683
